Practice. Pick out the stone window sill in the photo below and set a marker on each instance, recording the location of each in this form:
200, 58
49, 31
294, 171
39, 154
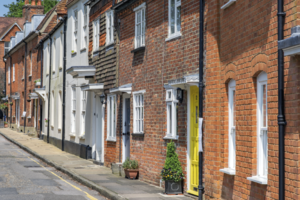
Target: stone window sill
169, 137
229, 3
258, 179
138, 134
173, 37
111, 139
72, 135
138, 49
228, 171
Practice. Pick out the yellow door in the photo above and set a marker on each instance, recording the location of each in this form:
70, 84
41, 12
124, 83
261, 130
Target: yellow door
194, 140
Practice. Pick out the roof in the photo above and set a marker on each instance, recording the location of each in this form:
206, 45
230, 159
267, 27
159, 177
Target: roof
6, 23
70, 2
40, 26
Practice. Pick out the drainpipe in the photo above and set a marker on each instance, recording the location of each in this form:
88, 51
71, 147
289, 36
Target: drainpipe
113, 3
281, 117
25, 85
64, 87
201, 86
49, 93
40, 100
10, 63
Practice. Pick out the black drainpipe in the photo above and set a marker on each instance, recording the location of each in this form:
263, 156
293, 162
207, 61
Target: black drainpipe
281, 117
49, 93
10, 91
40, 100
64, 86
5, 70
25, 85
113, 2
201, 86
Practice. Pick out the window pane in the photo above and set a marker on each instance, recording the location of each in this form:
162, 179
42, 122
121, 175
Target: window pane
138, 20
233, 108
6, 44
170, 118
172, 20
176, 117
264, 106
178, 20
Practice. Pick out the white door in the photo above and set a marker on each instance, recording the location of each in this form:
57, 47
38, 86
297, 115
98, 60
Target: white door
97, 129
126, 127
34, 112
18, 112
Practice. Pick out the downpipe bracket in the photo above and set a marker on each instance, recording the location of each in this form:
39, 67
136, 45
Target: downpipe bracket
281, 120
281, 14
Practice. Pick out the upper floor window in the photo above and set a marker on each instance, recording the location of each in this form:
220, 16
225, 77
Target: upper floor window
96, 35
73, 114
6, 47
174, 18
75, 31
138, 112
8, 74
60, 108
23, 67
140, 24
172, 114
52, 109
232, 124
14, 72
61, 53
111, 117
54, 55
85, 23
109, 27
30, 53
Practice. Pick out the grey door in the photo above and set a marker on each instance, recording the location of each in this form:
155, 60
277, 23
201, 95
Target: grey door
126, 134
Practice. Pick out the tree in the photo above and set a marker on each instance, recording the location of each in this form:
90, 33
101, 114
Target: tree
15, 9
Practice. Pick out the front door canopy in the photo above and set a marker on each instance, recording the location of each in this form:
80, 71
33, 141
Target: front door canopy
15, 96
185, 82
291, 45
122, 89
81, 71
41, 92
94, 87
33, 96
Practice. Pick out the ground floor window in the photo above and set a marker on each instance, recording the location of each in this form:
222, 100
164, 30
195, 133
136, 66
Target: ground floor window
111, 117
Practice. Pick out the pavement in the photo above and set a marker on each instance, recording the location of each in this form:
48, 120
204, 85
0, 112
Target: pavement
23, 177
96, 177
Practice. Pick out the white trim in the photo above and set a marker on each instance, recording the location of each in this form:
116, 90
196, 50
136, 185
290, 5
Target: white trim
109, 25
111, 134
140, 91
10, 29
141, 94
228, 171
188, 139
139, 41
177, 4
257, 179
142, 6
174, 36
171, 138
171, 106
124, 97
231, 127
229, 3
96, 32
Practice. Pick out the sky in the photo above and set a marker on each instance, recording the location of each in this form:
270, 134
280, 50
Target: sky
4, 10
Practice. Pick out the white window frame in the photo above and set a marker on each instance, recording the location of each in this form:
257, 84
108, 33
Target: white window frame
48, 59
176, 32
6, 48
109, 27
171, 109
136, 112
139, 41
30, 63
75, 31
61, 53
83, 111
14, 72
52, 109
232, 129
54, 55
85, 18
111, 117
73, 109
59, 97
96, 34
8, 72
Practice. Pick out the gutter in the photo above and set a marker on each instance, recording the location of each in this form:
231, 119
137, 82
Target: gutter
49, 93
64, 86
281, 117
25, 85
201, 87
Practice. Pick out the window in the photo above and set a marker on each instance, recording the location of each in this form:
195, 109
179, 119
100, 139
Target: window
23, 66
54, 55
96, 35
52, 109
172, 113
85, 15
30, 53
140, 24
85, 22
174, 18
61, 53
6, 47
83, 108
138, 112
73, 114
111, 117
262, 123
59, 110
8, 74
83, 95
232, 122
13, 73
47, 60
109, 27
75, 31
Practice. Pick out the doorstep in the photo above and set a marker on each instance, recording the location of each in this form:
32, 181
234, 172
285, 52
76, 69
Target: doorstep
95, 176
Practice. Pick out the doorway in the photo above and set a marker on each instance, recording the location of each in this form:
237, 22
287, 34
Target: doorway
126, 126
98, 121
18, 113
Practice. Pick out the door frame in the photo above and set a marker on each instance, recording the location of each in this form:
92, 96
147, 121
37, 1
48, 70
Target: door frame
188, 139
124, 96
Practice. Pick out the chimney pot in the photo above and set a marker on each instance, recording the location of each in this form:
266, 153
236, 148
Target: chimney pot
39, 3
33, 2
26, 2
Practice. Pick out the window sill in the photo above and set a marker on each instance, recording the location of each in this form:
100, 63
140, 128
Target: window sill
109, 44
72, 135
82, 137
173, 37
73, 53
53, 72
29, 117
169, 137
111, 139
138, 49
228, 171
137, 134
59, 129
60, 68
30, 75
83, 49
229, 3
22, 79
258, 179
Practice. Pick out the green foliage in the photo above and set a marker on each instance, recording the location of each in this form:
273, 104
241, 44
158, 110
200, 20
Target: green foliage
3, 106
15, 8
130, 164
172, 170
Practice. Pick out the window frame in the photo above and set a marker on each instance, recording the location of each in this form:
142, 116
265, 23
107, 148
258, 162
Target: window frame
111, 127
142, 10
8, 72
85, 19
30, 53
52, 108
73, 109
59, 110
109, 27
96, 34
232, 125
54, 55
172, 114
14, 72
6, 48
75, 31
176, 32
136, 129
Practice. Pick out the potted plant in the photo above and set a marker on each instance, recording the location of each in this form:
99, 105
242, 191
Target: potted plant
131, 168
5, 125
3, 106
37, 82
172, 172
11, 103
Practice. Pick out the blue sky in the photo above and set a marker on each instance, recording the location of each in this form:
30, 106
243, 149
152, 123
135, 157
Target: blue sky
4, 10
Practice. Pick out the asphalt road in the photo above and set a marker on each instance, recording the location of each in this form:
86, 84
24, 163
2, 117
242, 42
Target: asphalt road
24, 177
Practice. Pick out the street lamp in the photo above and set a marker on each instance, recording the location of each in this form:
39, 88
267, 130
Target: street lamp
179, 96
102, 98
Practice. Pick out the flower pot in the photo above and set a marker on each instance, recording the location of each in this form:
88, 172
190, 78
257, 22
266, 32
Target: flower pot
172, 187
131, 173
37, 83
5, 125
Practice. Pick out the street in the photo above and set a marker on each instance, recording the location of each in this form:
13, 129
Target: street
24, 177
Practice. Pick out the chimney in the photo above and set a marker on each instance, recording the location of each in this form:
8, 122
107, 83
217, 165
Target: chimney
33, 9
